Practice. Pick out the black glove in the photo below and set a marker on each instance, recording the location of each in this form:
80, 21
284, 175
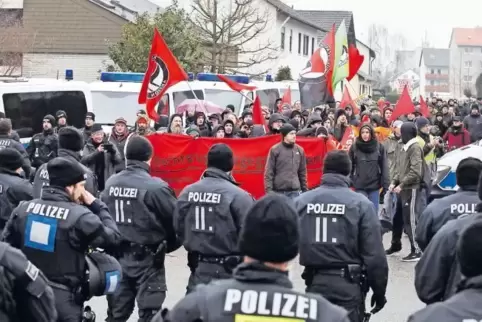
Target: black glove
377, 303
382, 196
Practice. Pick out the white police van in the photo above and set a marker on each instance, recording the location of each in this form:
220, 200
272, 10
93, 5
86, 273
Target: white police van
116, 94
445, 182
26, 102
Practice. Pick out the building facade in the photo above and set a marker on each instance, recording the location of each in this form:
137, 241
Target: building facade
465, 60
434, 72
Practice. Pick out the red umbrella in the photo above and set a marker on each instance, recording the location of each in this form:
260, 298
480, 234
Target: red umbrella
198, 105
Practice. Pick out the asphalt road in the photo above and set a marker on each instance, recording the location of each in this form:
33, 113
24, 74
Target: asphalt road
401, 296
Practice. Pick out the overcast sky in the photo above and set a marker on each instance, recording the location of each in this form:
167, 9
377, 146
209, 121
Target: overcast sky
412, 18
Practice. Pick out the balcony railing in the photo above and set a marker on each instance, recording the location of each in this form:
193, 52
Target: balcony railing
437, 88
436, 76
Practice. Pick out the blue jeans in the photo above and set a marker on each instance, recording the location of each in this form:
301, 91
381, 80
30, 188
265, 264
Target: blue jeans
373, 196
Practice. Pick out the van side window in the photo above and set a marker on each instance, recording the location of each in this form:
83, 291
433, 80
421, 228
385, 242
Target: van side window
27, 110
268, 97
163, 106
180, 97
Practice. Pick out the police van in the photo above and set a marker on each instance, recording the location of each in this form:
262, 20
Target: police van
26, 102
445, 182
116, 94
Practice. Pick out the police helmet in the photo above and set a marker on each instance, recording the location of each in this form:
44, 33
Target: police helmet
104, 273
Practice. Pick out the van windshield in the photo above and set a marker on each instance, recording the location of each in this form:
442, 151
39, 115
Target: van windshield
222, 98
108, 106
27, 110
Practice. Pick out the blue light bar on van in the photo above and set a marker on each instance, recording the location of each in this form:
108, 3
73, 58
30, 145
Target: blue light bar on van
208, 77
69, 74
190, 76
122, 77
269, 78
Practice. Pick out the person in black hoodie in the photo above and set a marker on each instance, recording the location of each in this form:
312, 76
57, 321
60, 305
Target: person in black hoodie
369, 165
229, 128
202, 124
341, 123
276, 121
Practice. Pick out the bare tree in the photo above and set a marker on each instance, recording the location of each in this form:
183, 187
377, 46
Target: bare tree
385, 45
235, 37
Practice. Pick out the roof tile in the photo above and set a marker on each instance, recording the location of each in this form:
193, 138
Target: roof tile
467, 36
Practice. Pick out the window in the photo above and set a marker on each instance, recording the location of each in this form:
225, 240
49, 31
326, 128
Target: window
113, 105
432, 71
467, 78
299, 43
27, 110
312, 45
468, 49
283, 38
432, 82
268, 97
468, 64
11, 59
439, 71
223, 98
180, 97
291, 40
306, 45
11, 17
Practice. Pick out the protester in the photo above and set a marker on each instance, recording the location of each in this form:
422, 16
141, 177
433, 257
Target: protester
456, 136
87, 129
285, 170
369, 172
118, 137
61, 118
473, 123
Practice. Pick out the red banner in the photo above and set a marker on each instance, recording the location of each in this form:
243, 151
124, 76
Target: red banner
180, 159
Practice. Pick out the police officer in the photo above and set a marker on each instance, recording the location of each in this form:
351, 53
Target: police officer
61, 117
24, 292
208, 219
437, 274
71, 143
6, 141
341, 245
464, 201
55, 231
13, 135
260, 288
13, 187
43, 146
143, 208
465, 304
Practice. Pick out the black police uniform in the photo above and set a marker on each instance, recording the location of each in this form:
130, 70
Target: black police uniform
55, 233
42, 148
340, 242
7, 142
41, 178
24, 291
269, 293
465, 304
439, 213
437, 273
13, 190
208, 220
143, 208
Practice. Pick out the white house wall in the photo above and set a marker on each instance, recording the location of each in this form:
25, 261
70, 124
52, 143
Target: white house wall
86, 67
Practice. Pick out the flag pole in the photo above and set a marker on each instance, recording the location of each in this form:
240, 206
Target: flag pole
196, 98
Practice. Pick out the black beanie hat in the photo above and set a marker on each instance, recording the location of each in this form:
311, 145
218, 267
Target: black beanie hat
70, 139
337, 161
469, 248
64, 172
270, 230
139, 148
220, 156
468, 172
10, 159
286, 129
50, 119
90, 115
60, 114
96, 127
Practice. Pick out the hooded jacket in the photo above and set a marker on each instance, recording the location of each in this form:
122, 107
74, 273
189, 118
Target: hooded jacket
409, 173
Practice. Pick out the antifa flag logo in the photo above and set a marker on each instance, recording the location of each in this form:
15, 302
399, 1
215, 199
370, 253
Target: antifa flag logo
158, 78
312, 81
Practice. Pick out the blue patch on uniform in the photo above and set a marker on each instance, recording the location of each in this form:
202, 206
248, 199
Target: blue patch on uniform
112, 281
449, 182
40, 233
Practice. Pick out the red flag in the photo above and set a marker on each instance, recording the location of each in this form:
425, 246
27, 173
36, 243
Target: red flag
347, 139
355, 60
258, 114
423, 107
163, 71
403, 106
347, 100
235, 86
329, 44
286, 97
